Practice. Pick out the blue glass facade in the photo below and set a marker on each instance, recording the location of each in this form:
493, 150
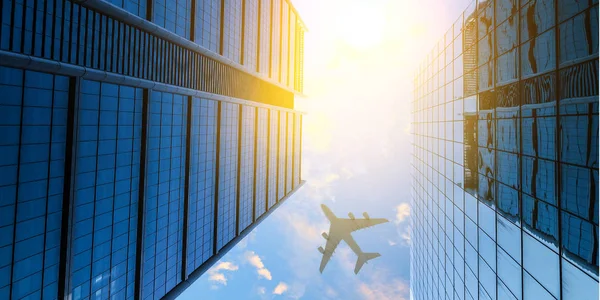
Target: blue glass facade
164, 198
107, 168
289, 152
264, 37
33, 123
273, 153
250, 34
203, 162
232, 30
275, 46
262, 143
246, 184
228, 173
135, 141
281, 154
207, 31
112, 138
136, 7
173, 15
505, 155
297, 149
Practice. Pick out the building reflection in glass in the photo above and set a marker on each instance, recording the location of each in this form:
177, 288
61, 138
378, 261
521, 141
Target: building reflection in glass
520, 78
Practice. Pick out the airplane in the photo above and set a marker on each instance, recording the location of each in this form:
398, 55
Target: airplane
341, 229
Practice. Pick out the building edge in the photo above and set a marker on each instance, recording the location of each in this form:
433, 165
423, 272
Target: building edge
196, 274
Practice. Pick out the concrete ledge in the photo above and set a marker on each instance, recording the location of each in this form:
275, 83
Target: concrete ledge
22, 61
126, 17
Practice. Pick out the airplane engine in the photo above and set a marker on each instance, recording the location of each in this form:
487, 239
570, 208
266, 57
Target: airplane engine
321, 250
325, 235
366, 215
351, 215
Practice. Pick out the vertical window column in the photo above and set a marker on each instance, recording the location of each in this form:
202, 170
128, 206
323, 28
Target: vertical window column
164, 193
227, 188
262, 158
247, 153
106, 190
281, 154
272, 153
33, 119
202, 182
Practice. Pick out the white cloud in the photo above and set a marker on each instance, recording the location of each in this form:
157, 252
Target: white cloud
395, 290
391, 243
218, 277
381, 286
346, 258
403, 228
331, 177
280, 288
405, 235
215, 275
249, 238
347, 173
265, 273
296, 290
308, 230
402, 212
255, 260
261, 290
330, 292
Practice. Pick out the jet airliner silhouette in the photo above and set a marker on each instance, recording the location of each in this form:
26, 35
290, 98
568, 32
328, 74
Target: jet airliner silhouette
341, 229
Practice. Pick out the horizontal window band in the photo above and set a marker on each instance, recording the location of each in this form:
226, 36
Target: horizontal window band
128, 18
15, 60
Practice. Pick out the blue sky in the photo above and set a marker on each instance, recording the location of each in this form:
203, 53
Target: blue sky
360, 58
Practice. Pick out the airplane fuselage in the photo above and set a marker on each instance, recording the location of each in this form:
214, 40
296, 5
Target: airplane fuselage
340, 230
344, 235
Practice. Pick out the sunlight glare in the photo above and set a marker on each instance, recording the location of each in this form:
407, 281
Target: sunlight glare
360, 24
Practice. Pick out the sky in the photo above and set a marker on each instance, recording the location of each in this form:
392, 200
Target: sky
360, 58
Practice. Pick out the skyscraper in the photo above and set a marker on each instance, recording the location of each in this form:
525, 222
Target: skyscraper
505, 155
140, 139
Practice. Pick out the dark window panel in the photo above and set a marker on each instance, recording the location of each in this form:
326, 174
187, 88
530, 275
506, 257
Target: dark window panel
578, 37
539, 54
579, 192
538, 90
485, 17
579, 82
539, 178
508, 201
507, 67
505, 9
536, 17
580, 240
579, 140
542, 218
568, 8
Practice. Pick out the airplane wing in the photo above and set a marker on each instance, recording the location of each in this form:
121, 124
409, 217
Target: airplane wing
357, 224
332, 243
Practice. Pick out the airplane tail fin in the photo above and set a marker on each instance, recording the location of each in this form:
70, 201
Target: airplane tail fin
363, 258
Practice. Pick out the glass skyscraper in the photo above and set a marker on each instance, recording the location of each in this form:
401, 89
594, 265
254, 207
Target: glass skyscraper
505, 155
140, 139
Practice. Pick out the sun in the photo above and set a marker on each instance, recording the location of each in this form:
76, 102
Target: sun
360, 24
